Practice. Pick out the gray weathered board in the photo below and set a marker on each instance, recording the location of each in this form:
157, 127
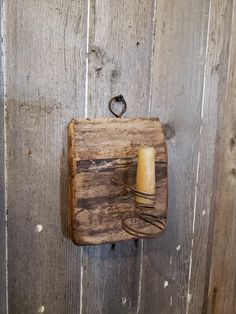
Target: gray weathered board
65, 59
100, 150
45, 44
222, 283
2, 190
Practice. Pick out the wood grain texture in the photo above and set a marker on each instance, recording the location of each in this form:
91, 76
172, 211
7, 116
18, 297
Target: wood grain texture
120, 40
103, 149
177, 93
2, 184
47, 84
216, 65
46, 52
222, 287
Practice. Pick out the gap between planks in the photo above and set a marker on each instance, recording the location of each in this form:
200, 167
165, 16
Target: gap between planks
86, 115
149, 112
3, 66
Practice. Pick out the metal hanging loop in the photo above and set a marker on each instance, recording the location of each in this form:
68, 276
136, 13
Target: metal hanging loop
121, 100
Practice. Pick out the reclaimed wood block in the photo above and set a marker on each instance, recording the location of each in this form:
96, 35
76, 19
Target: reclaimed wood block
102, 149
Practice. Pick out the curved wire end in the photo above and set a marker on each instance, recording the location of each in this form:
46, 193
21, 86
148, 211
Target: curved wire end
141, 214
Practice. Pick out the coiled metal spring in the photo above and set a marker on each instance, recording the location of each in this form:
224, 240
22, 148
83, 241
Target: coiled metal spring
141, 213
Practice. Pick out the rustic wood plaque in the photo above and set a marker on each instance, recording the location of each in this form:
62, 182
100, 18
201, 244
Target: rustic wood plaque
102, 149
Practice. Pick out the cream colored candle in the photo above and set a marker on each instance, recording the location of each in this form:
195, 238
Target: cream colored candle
145, 177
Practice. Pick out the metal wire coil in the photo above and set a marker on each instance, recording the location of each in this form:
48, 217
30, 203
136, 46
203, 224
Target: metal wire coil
140, 213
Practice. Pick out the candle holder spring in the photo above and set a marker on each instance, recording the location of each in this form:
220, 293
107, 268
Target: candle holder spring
142, 212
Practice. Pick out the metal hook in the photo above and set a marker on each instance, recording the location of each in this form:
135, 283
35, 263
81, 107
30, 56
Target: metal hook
119, 99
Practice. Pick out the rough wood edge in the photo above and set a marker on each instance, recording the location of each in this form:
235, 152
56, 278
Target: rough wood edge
78, 120
71, 192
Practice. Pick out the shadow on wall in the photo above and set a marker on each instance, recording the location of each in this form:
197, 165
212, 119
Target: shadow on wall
64, 180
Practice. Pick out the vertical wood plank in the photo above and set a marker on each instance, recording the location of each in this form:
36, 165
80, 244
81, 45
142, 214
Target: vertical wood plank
221, 295
120, 40
46, 52
178, 73
2, 182
217, 56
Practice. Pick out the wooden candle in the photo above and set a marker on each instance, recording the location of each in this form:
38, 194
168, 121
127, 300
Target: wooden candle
145, 177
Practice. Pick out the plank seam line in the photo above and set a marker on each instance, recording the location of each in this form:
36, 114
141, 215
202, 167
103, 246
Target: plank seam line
152, 55
140, 279
86, 115
189, 296
81, 281
149, 112
87, 60
3, 63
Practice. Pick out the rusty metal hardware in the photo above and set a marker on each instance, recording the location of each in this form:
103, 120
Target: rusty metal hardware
119, 99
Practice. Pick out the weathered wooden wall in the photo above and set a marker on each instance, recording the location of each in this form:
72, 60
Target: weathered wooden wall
2, 187
45, 74
66, 59
177, 97
222, 285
